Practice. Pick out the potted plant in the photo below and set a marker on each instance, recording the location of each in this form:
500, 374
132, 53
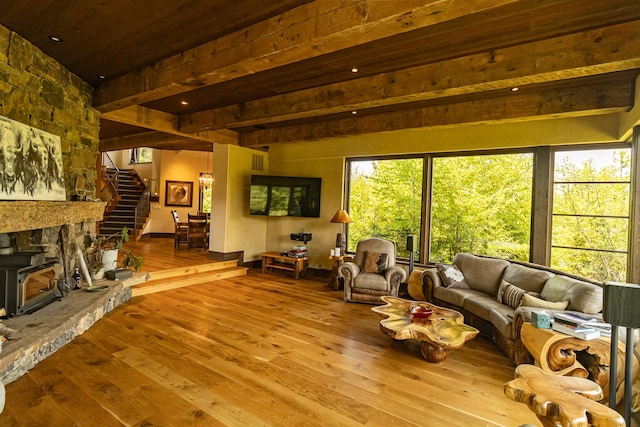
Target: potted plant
103, 252
96, 270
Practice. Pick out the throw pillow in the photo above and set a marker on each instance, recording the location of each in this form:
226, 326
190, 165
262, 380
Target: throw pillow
510, 295
452, 276
375, 262
531, 301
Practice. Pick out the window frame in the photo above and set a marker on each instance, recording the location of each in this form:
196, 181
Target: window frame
633, 164
542, 194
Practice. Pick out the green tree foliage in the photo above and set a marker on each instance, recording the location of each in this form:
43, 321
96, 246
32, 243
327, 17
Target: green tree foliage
205, 194
386, 200
481, 204
591, 208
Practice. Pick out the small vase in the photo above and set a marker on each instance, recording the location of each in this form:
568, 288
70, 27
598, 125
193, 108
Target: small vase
98, 274
110, 259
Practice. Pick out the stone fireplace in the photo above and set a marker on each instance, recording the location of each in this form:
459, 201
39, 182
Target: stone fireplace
54, 229
40, 236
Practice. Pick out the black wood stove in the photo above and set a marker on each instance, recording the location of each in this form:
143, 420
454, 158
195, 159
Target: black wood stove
27, 282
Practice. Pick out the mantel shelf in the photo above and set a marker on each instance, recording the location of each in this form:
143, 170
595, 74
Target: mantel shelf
33, 215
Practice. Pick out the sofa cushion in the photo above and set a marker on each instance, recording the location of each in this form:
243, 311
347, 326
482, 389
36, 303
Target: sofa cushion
454, 296
482, 274
510, 295
451, 276
481, 305
502, 319
527, 278
531, 301
370, 281
582, 296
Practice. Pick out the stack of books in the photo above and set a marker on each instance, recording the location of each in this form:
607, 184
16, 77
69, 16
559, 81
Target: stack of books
580, 325
298, 251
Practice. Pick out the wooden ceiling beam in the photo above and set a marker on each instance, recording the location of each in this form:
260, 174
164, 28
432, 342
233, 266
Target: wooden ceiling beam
311, 30
154, 139
167, 123
597, 51
579, 100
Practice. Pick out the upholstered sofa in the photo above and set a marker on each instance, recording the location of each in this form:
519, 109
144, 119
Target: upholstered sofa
497, 296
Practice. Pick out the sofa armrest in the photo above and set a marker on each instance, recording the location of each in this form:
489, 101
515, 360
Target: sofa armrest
430, 281
522, 315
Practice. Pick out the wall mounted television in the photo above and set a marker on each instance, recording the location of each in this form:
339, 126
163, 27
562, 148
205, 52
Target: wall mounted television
284, 196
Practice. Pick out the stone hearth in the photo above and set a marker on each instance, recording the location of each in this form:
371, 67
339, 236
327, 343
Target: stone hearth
42, 333
36, 225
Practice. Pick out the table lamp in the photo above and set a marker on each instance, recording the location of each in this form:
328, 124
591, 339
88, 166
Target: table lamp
341, 217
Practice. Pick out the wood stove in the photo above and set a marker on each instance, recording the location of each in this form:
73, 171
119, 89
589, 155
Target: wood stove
27, 282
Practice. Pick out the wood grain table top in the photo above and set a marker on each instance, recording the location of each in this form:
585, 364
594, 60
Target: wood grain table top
445, 328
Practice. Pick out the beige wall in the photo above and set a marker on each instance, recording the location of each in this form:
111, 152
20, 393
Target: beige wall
176, 166
325, 159
631, 118
330, 169
232, 228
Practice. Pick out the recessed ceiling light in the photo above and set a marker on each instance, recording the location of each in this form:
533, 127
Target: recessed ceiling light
184, 103
101, 77
354, 112
55, 39
515, 89
355, 69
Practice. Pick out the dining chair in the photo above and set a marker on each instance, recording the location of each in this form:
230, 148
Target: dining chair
180, 232
197, 231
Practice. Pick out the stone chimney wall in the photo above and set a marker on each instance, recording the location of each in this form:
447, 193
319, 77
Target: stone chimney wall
38, 91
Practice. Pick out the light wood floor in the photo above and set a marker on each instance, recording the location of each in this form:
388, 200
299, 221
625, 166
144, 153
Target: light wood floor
256, 350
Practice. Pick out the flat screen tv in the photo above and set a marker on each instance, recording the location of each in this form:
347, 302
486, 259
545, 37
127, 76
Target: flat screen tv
284, 196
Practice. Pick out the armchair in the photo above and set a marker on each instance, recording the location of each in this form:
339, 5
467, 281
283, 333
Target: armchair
373, 272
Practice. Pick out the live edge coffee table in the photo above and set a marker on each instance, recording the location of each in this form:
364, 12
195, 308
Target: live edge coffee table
440, 332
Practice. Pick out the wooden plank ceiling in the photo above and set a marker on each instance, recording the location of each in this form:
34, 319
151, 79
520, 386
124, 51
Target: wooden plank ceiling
183, 74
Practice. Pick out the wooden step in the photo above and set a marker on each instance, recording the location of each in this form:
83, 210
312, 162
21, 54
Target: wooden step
159, 281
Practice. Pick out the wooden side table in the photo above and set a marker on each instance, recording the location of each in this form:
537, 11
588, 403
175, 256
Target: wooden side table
561, 401
284, 262
334, 280
563, 354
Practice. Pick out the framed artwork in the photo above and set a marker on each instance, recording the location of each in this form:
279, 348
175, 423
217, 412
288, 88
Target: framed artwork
178, 193
30, 163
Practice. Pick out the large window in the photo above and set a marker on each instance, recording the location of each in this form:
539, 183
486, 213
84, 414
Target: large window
385, 200
481, 204
591, 213
484, 203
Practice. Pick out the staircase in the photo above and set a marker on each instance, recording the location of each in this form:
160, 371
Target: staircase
121, 210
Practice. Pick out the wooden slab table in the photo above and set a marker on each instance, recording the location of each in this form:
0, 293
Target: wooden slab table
444, 330
284, 262
561, 401
563, 354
